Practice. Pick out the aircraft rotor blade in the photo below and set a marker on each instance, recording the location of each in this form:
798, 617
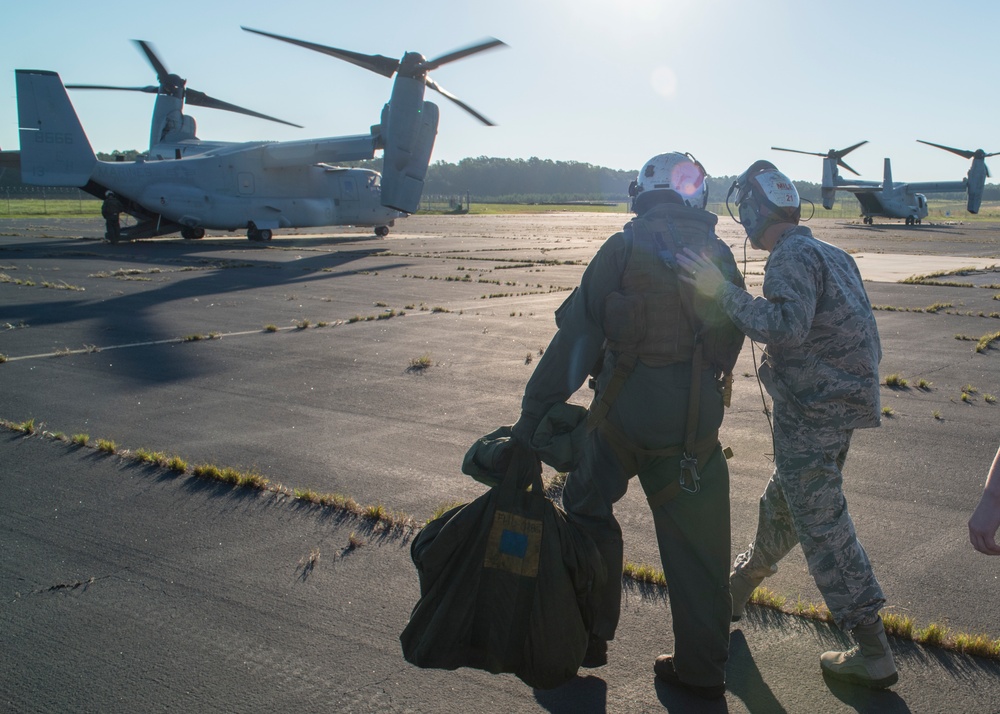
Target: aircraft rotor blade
797, 151
386, 66
443, 92
849, 149
412, 65
148, 90
193, 96
147, 49
961, 152
487, 44
842, 164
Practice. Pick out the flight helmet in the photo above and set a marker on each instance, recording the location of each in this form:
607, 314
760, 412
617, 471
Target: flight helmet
680, 174
764, 197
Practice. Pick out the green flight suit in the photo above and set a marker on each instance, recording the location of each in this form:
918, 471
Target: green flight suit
650, 414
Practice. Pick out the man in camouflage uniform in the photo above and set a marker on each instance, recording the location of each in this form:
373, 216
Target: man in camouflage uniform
631, 309
820, 367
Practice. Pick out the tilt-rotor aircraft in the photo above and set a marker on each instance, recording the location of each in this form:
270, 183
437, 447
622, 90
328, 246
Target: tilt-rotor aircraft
172, 133
257, 186
898, 200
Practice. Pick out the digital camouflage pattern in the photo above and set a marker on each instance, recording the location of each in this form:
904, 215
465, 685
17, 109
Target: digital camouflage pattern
823, 349
821, 369
804, 503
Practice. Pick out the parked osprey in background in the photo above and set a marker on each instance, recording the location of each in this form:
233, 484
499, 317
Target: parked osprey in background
897, 200
256, 186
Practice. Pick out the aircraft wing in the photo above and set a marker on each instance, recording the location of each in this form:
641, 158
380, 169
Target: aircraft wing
937, 187
861, 189
312, 151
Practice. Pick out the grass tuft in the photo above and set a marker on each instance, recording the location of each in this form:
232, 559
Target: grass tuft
107, 446
934, 635
895, 381
26, 427
419, 364
644, 574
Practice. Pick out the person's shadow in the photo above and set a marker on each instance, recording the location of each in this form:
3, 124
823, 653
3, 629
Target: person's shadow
744, 680
581, 695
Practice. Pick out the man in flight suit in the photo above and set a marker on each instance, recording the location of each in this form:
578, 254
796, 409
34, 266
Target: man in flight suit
662, 358
111, 209
820, 367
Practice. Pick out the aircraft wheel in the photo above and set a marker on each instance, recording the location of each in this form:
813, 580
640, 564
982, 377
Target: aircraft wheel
917, 221
192, 233
381, 231
265, 234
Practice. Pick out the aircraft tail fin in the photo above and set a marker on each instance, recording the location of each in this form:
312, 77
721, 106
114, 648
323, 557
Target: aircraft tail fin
887, 176
409, 127
55, 150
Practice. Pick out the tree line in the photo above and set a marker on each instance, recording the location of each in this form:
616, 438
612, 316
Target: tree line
488, 179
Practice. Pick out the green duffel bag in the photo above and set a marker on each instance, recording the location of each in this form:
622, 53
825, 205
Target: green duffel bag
506, 584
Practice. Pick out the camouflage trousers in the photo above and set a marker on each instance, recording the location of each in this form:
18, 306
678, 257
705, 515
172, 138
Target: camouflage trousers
804, 503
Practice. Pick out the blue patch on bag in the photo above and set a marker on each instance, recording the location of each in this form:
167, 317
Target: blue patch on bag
513, 543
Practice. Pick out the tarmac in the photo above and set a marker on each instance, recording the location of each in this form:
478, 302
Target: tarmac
130, 588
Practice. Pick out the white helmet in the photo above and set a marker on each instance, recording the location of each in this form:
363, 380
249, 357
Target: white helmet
679, 173
764, 197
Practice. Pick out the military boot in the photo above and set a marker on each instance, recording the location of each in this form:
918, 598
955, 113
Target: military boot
869, 663
741, 587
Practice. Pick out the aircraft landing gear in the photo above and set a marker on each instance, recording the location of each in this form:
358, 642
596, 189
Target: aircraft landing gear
257, 234
192, 233
381, 231
868, 220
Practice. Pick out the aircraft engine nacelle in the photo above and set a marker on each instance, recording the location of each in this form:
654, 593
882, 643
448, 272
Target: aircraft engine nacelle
977, 179
829, 196
409, 126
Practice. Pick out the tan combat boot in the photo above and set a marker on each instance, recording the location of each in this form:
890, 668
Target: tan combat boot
869, 663
741, 587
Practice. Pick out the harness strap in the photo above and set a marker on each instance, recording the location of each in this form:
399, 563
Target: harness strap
599, 411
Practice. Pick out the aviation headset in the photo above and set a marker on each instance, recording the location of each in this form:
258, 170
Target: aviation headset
764, 197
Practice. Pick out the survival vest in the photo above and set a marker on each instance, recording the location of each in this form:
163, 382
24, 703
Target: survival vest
655, 316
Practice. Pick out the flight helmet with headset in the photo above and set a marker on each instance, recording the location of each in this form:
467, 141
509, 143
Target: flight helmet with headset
681, 175
764, 197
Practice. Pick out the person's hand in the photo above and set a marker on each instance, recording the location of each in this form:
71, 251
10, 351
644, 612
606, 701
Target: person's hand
984, 524
700, 272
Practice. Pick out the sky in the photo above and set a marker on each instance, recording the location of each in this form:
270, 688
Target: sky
596, 81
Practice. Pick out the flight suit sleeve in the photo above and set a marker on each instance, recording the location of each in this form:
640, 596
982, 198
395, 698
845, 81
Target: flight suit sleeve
579, 339
785, 314
722, 339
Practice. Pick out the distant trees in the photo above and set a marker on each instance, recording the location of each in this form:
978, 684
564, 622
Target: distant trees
533, 180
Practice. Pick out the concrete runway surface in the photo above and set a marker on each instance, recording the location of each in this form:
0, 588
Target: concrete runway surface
127, 589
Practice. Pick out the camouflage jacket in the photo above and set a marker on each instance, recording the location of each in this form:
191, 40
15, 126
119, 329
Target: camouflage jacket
822, 345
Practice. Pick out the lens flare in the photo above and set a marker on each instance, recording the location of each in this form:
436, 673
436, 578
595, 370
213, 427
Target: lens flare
664, 82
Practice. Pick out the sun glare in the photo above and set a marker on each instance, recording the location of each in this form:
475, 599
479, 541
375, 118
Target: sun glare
664, 82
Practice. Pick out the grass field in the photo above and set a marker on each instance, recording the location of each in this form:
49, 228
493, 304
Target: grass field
76, 207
